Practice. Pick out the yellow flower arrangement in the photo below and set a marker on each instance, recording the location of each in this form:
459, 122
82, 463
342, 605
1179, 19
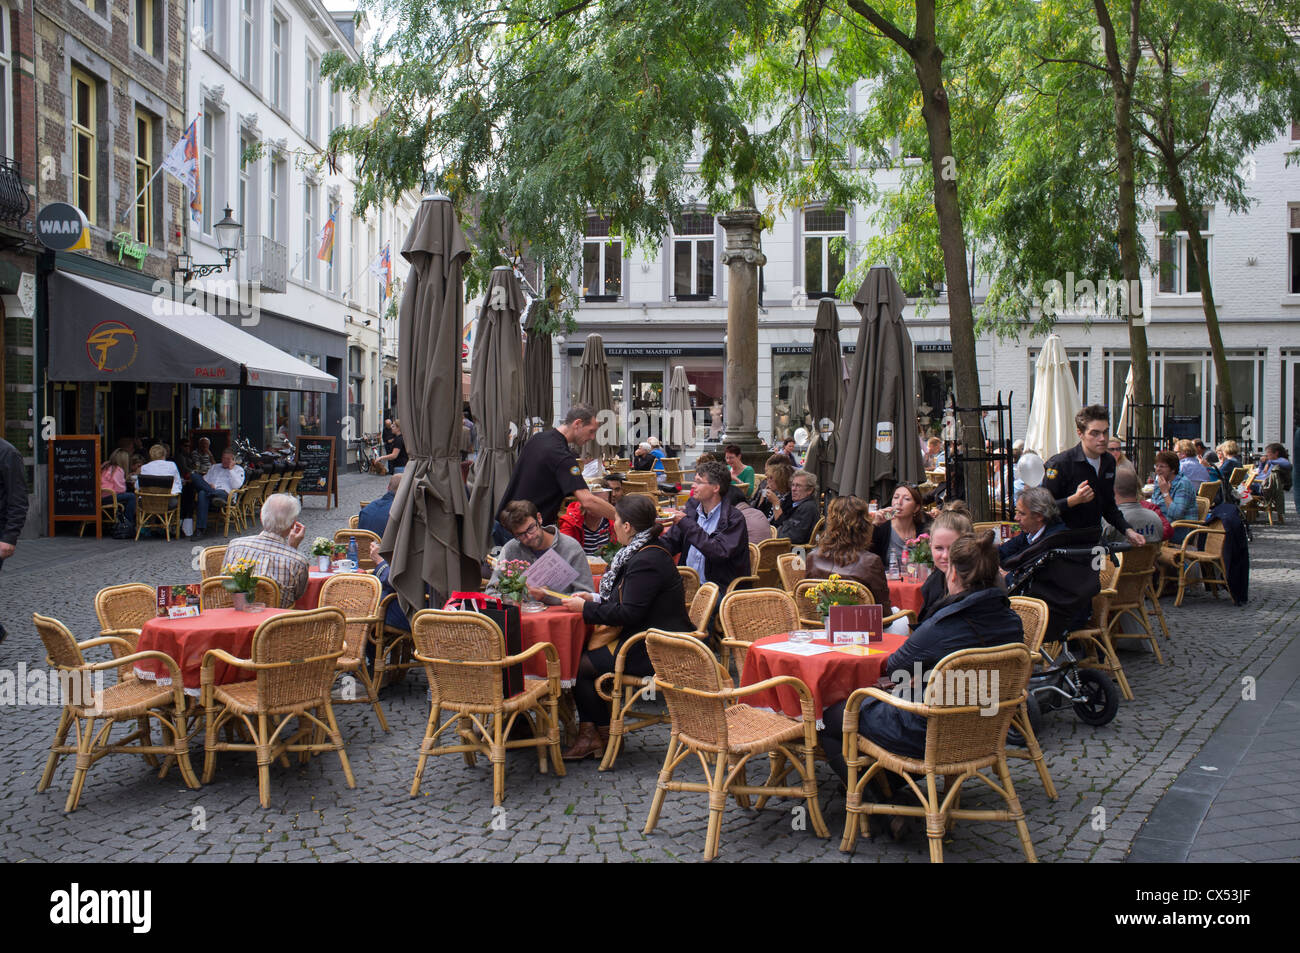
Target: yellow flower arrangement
833, 592
242, 575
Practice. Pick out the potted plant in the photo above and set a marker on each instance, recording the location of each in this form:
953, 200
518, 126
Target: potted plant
832, 592
242, 581
511, 582
322, 549
919, 556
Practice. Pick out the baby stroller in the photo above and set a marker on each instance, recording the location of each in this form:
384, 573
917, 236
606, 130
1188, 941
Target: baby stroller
1062, 571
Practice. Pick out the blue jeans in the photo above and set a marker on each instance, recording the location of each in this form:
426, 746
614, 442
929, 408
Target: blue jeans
204, 496
127, 502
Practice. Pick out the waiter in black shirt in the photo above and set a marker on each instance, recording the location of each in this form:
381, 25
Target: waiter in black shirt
1082, 479
547, 470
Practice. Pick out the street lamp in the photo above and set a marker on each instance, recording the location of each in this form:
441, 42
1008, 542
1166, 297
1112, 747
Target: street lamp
228, 233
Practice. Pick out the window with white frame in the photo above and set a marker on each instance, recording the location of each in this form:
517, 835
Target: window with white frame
211, 170
693, 257
1175, 267
602, 262
311, 96
279, 60
250, 41
214, 26
309, 236
1293, 250
354, 250
6, 86
371, 283
334, 114
824, 236
277, 215
248, 204
1078, 361
825, 126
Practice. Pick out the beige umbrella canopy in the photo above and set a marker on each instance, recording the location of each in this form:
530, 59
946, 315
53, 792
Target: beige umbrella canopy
593, 388
496, 400
679, 422
425, 540
1056, 400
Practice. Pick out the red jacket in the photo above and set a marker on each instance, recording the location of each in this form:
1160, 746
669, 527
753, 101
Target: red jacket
1169, 529
570, 522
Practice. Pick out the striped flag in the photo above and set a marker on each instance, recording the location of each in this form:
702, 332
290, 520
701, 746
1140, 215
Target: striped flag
382, 268
183, 162
326, 237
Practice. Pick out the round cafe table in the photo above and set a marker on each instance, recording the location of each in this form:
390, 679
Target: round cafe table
831, 676
563, 629
906, 594
310, 599
187, 640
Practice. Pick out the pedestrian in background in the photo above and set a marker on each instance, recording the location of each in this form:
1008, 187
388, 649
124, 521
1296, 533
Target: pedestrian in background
13, 503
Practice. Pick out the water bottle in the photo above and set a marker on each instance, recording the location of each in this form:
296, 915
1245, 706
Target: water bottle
352, 552
893, 565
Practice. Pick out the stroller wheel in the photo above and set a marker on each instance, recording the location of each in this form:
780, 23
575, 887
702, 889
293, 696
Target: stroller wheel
1100, 697
1015, 738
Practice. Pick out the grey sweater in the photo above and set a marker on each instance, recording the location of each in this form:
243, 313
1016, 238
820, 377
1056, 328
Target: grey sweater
569, 549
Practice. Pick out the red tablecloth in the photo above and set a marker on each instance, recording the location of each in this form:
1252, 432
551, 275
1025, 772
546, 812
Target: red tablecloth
831, 677
310, 599
186, 641
905, 594
563, 629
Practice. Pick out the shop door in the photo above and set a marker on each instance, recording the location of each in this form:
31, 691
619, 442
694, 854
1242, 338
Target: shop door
646, 403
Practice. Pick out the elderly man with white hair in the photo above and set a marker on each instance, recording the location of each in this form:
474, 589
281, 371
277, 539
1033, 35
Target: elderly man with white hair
274, 551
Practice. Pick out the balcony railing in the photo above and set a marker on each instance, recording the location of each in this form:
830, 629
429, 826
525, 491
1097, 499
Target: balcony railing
14, 203
267, 263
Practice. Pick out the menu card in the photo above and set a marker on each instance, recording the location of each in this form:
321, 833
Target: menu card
797, 648
857, 625
551, 571
178, 602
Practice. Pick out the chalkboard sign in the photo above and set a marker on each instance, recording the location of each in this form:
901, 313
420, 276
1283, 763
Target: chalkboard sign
316, 460
74, 480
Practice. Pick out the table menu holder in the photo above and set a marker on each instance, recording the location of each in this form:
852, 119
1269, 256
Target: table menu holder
178, 602
856, 625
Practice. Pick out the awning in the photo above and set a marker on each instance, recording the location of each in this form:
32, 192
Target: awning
101, 332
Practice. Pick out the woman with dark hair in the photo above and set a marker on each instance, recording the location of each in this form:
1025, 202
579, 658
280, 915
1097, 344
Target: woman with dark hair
902, 520
640, 590
976, 613
741, 472
843, 549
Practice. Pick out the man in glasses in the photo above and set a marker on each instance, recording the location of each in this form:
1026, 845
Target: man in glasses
1082, 479
531, 540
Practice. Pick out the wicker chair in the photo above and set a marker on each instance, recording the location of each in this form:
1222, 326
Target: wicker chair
357, 596
1033, 616
1183, 556
751, 615
364, 538
464, 654
251, 496
791, 568
708, 721
690, 582
1124, 595
353, 521
230, 510
816, 532
211, 560
292, 479
123, 610
394, 648
154, 505
293, 656
702, 606
764, 567
960, 741
110, 511
131, 699
213, 593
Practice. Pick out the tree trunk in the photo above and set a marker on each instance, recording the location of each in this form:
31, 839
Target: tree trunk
1200, 258
928, 59
1122, 86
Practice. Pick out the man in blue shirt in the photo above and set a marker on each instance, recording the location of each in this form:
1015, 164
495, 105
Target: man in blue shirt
375, 515
710, 534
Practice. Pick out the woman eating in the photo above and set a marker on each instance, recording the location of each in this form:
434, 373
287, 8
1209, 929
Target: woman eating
843, 549
641, 590
902, 520
112, 483
740, 473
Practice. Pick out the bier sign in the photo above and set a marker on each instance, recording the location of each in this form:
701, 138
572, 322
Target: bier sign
316, 460
73, 466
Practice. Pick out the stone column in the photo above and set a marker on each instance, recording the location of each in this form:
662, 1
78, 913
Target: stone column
742, 257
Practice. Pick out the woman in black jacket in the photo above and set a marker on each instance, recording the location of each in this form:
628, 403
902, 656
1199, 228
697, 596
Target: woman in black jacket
902, 520
975, 614
641, 590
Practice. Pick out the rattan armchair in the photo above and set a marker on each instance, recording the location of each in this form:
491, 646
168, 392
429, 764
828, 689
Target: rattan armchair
792, 569
816, 533
708, 721
294, 657
250, 499
1124, 595
464, 654
1033, 617
764, 566
1183, 556
213, 593
690, 582
750, 615
110, 511
960, 741
364, 538
394, 648
211, 560
85, 702
157, 506
357, 596
702, 605
229, 510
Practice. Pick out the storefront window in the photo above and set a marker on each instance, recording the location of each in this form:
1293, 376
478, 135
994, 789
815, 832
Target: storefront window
704, 377
311, 406
217, 408
790, 394
275, 414
935, 387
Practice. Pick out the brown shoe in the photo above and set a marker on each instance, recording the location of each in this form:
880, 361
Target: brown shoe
586, 745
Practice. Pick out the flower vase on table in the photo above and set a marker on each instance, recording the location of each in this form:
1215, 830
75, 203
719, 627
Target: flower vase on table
511, 583
322, 549
833, 592
242, 582
919, 558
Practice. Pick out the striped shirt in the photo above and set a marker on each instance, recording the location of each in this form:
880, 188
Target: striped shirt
594, 540
275, 559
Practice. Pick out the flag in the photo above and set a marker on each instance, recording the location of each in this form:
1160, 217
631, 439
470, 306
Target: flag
382, 268
326, 238
183, 162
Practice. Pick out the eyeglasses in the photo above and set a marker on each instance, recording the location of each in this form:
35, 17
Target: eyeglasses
529, 532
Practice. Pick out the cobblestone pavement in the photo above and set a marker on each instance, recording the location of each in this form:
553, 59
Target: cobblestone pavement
1109, 778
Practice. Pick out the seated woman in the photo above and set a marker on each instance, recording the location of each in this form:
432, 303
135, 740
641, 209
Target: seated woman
976, 613
641, 590
112, 483
949, 525
159, 465
842, 549
902, 520
775, 487
740, 471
